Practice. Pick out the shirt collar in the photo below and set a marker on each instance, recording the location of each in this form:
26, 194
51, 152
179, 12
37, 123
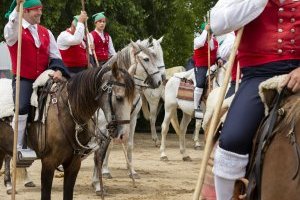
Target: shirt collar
26, 24
101, 33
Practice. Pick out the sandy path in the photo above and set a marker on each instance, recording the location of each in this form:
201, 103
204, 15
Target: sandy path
170, 180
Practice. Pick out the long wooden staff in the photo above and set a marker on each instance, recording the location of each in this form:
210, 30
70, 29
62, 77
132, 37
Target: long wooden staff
209, 141
238, 75
17, 100
208, 49
87, 35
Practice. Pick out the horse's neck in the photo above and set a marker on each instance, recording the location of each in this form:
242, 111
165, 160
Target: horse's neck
84, 107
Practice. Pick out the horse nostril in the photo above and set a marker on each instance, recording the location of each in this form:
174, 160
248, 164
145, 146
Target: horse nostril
159, 82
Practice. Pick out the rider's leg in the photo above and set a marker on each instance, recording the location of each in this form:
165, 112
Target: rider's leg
24, 107
243, 119
200, 76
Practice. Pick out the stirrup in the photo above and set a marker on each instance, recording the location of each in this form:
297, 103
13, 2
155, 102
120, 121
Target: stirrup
25, 157
198, 114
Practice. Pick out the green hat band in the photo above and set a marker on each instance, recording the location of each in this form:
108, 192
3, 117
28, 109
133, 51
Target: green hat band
32, 3
27, 4
98, 16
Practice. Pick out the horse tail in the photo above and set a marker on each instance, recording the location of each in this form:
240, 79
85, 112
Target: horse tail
145, 107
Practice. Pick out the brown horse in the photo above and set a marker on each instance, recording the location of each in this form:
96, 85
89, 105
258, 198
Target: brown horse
274, 165
68, 124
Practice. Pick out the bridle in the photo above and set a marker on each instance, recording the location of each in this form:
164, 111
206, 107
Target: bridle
113, 124
138, 80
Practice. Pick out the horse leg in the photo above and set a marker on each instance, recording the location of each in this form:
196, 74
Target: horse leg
186, 119
164, 132
7, 177
28, 182
71, 170
46, 180
130, 143
105, 170
197, 144
153, 116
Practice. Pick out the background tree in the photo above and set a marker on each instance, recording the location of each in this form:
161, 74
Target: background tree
132, 20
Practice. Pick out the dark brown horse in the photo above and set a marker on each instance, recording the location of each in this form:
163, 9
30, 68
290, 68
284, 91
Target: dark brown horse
68, 124
273, 171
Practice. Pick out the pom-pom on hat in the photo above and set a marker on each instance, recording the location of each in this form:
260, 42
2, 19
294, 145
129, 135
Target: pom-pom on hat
98, 16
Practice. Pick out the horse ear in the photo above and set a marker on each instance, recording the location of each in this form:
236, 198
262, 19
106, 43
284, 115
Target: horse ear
115, 70
135, 46
160, 39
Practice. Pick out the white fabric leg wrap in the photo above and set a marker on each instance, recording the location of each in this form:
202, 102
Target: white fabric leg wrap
21, 129
224, 188
197, 96
229, 165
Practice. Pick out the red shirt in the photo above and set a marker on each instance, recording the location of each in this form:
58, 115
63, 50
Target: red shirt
101, 47
273, 36
74, 56
201, 55
34, 61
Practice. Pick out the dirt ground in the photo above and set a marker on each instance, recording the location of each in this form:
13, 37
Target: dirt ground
160, 180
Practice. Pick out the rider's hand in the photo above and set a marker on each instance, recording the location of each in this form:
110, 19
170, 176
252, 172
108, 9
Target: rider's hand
292, 81
207, 27
20, 1
92, 47
82, 17
57, 75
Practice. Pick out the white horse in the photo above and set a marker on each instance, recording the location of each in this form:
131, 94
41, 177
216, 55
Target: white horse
156, 53
187, 107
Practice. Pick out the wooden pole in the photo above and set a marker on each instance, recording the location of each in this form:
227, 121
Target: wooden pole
17, 101
209, 141
237, 80
208, 49
87, 35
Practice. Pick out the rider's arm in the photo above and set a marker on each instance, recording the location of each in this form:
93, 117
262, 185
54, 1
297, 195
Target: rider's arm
230, 15
226, 47
111, 49
200, 40
11, 29
66, 39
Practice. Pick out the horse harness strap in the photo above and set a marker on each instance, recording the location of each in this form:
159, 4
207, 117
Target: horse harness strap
112, 125
262, 145
79, 151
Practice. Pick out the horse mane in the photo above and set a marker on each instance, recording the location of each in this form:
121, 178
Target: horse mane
84, 87
291, 107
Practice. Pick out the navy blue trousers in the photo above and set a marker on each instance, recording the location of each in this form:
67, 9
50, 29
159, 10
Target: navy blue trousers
200, 75
247, 110
25, 94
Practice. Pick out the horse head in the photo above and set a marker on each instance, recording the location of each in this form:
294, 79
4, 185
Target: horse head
118, 92
144, 67
158, 54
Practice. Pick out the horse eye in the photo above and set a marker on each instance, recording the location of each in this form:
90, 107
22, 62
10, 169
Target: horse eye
146, 59
119, 98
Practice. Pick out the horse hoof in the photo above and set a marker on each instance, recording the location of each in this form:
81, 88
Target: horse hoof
59, 175
157, 143
198, 148
187, 159
9, 191
101, 193
107, 175
30, 184
134, 176
164, 158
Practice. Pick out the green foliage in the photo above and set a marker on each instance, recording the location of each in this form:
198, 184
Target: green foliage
132, 20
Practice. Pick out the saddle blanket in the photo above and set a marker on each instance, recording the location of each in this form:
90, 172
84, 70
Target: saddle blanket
268, 90
6, 97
